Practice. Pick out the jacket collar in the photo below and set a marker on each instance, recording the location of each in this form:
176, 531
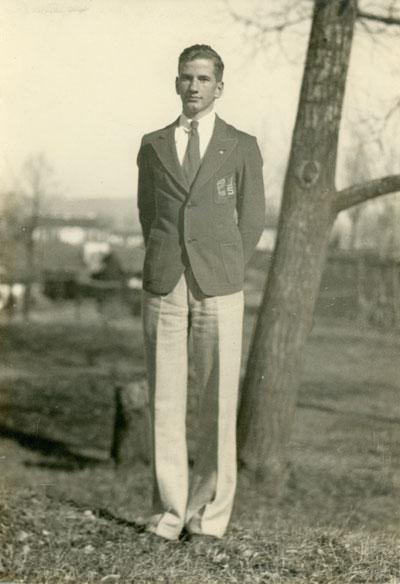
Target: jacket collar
219, 149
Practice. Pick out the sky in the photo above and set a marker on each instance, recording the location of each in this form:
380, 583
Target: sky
83, 80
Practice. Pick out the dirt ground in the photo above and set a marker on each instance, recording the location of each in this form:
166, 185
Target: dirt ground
339, 521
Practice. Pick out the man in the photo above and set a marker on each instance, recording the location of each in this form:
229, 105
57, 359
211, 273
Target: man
201, 207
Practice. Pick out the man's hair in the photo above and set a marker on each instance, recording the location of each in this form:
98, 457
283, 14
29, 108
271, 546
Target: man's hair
202, 52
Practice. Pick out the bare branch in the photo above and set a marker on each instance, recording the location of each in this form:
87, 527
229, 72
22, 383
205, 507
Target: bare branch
365, 25
362, 192
388, 20
279, 20
394, 109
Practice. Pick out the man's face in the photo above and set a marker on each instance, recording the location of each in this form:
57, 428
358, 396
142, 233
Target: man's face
197, 87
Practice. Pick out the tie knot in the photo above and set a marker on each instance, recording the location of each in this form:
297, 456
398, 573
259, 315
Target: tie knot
194, 124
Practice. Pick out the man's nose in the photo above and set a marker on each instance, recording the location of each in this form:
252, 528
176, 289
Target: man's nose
194, 85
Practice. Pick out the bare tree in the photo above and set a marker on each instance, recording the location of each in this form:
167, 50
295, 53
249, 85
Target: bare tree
310, 204
25, 204
11, 210
358, 168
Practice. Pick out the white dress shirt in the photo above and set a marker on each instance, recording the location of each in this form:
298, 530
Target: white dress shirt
182, 130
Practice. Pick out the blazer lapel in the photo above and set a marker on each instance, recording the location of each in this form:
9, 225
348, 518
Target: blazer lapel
165, 147
219, 149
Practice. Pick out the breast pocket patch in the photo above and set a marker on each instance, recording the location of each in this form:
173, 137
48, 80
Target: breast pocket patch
225, 189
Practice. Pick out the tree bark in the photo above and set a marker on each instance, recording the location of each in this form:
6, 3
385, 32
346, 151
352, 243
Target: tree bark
285, 318
132, 425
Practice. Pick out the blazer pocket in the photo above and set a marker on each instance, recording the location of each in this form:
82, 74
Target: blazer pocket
152, 258
233, 260
225, 189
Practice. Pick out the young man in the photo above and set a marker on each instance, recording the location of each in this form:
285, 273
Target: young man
201, 207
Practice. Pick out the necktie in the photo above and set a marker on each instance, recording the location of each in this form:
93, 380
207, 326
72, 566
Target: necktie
191, 160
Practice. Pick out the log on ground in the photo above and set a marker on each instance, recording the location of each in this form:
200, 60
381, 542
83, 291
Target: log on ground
76, 411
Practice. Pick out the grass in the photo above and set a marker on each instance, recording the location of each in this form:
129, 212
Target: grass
338, 521
79, 527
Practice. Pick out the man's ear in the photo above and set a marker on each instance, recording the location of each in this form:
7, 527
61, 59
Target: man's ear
177, 85
219, 89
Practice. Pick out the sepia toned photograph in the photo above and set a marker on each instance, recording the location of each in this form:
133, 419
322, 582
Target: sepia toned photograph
199, 292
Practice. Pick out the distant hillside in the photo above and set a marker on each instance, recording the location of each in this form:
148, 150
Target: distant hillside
122, 211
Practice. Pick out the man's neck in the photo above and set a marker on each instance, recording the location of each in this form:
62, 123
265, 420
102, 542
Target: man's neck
199, 116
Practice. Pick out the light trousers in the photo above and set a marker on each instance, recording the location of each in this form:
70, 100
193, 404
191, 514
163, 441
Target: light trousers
215, 325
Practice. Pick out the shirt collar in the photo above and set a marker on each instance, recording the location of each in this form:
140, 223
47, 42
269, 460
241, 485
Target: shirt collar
206, 121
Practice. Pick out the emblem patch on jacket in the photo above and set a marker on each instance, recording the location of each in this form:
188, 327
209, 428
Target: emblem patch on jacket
226, 189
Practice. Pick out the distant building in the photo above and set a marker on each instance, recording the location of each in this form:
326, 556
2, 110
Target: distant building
78, 230
71, 229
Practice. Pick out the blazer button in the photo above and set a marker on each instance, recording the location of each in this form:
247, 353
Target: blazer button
191, 240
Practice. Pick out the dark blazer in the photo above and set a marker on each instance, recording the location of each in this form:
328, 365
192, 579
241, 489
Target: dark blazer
214, 225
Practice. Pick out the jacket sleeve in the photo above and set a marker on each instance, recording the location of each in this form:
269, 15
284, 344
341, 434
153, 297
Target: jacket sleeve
145, 193
251, 198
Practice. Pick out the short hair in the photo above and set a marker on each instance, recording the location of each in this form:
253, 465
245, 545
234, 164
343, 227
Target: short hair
202, 52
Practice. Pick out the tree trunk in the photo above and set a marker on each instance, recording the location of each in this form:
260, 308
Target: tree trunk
285, 317
29, 276
132, 425
30, 252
